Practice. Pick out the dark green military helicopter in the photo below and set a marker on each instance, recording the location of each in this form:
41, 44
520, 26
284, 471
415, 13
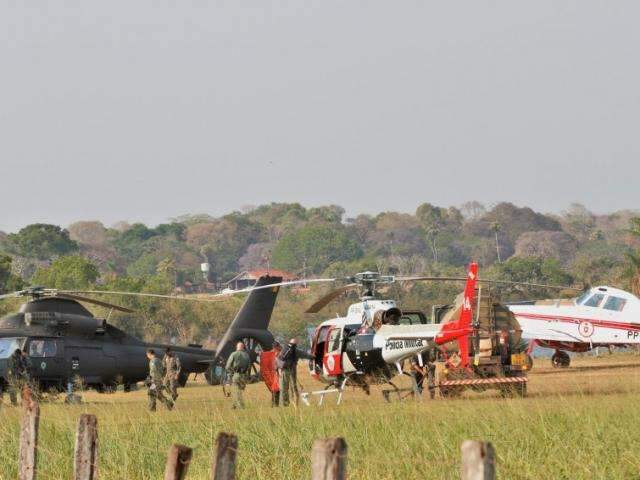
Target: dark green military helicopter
65, 341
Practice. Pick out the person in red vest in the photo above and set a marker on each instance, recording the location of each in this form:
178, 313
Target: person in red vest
269, 372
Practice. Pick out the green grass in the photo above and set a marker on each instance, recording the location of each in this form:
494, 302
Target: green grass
575, 424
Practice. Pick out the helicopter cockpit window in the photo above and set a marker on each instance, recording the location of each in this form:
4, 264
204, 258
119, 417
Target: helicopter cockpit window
581, 299
322, 336
410, 319
334, 340
595, 300
9, 345
615, 303
42, 348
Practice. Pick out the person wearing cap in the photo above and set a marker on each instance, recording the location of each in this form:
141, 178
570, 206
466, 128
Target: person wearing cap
238, 365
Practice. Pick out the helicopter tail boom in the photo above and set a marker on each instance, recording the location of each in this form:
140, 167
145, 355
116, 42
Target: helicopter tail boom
461, 329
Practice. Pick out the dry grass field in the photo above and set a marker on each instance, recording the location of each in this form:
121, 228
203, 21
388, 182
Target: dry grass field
575, 424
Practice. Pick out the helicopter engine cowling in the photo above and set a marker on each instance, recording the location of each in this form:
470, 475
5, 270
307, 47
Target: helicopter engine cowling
69, 323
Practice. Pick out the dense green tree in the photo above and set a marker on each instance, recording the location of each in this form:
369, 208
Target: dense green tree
579, 222
278, 218
329, 214
129, 242
5, 272
513, 221
8, 281
224, 241
175, 230
361, 228
73, 272
315, 246
592, 248
545, 271
633, 271
395, 234
40, 241
437, 220
546, 244
432, 219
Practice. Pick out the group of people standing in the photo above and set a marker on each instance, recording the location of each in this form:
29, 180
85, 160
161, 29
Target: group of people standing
164, 376
285, 365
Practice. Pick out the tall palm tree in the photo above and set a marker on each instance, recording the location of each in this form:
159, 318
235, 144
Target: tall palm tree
495, 228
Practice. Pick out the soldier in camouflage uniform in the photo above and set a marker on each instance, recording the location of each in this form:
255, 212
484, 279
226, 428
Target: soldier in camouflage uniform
172, 368
18, 374
155, 384
238, 366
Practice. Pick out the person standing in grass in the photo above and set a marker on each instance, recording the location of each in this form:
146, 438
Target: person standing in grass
275, 386
287, 362
172, 368
155, 382
17, 373
238, 365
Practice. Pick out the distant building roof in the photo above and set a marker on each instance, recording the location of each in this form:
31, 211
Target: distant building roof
256, 274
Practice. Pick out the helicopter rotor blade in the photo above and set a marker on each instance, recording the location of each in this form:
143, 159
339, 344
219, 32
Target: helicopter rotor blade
209, 298
498, 282
328, 298
530, 284
422, 278
11, 295
80, 298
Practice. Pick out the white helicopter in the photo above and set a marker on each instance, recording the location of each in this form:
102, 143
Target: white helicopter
369, 345
602, 316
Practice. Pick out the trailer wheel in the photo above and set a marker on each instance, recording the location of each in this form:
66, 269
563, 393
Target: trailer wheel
450, 392
518, 390
560, 359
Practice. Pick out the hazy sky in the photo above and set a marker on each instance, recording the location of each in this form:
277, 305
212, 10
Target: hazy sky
132, 110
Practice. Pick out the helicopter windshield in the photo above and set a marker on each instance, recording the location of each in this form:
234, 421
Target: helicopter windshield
9, 345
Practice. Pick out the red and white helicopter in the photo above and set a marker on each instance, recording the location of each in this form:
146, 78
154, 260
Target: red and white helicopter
370, 344
602, 316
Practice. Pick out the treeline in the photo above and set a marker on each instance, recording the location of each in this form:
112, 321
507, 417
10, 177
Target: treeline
509, 242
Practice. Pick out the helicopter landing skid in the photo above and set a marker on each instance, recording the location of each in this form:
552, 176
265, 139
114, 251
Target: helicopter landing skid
398, 391
321, 393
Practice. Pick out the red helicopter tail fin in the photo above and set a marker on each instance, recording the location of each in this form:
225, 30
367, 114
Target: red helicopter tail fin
461, 329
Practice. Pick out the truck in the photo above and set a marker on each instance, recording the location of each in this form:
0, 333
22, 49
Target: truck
497, 357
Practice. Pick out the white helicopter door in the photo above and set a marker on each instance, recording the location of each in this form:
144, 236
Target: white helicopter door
332, 361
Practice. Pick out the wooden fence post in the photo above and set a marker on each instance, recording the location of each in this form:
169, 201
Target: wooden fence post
224, 460
478, 461
177, 462
85, 457
28, 457
329, 459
